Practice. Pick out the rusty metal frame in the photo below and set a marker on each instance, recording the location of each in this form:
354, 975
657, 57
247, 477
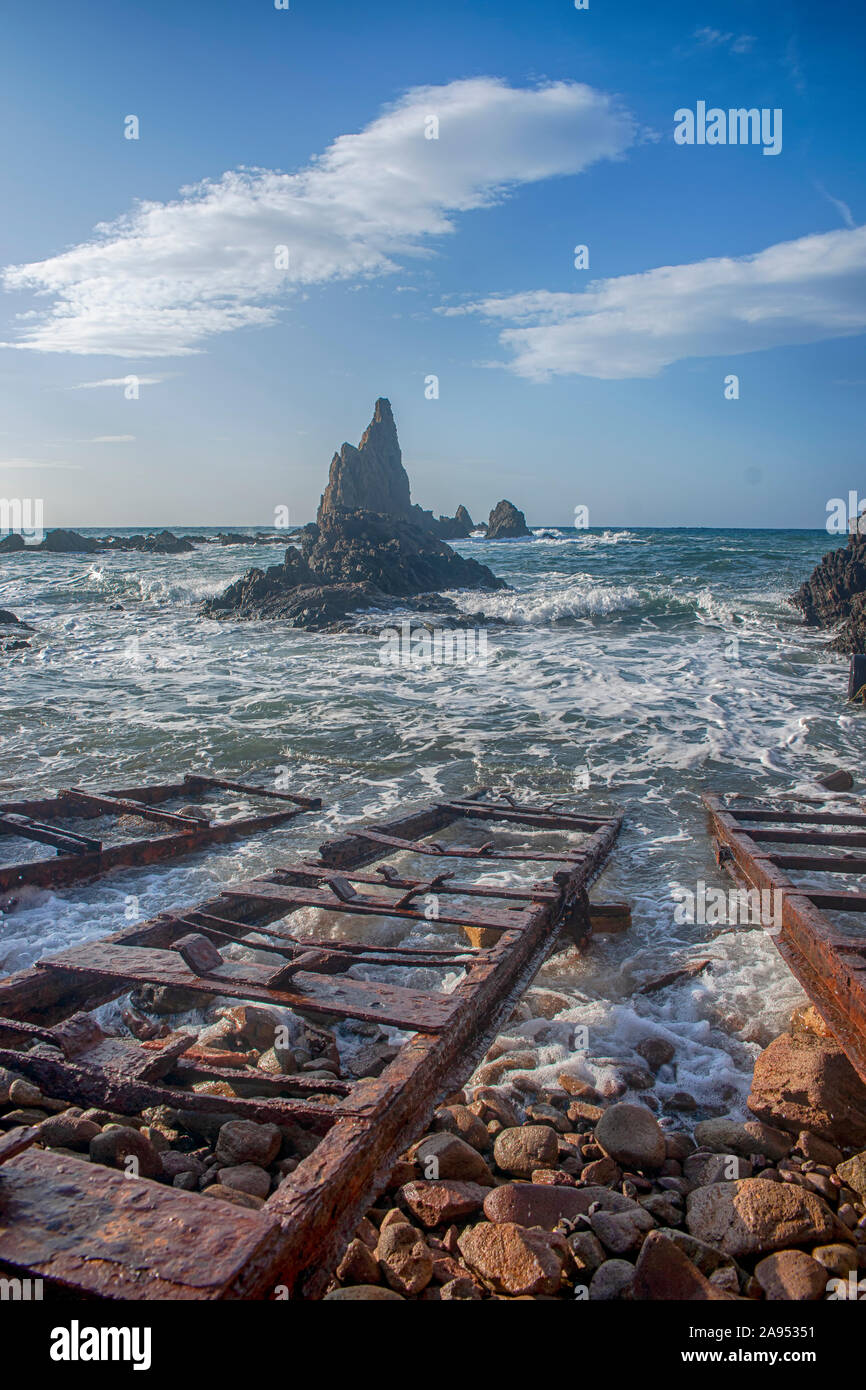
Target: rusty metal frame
828, 960
291, 1245
81, 857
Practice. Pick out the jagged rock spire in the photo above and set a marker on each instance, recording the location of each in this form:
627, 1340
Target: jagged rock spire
370, 478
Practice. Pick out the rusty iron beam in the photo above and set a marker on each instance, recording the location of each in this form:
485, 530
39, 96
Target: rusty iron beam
828, 962
198, 780
371, 1002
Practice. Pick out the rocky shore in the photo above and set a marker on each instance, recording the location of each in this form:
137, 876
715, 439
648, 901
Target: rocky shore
522, 1190
834, 595
571, 1194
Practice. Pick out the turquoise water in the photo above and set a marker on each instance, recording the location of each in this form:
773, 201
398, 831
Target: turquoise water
635, 670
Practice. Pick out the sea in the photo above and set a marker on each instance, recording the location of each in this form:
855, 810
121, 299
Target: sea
624, 670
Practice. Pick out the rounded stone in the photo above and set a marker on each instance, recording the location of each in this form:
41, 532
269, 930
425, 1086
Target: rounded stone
631, 1136
522, 1150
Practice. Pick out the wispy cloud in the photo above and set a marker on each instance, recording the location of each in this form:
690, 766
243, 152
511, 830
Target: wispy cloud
110, 439
716, 38
168, 276
842, 208
796, 292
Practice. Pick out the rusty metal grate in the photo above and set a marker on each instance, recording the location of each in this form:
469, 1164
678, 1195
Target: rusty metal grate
85, 856
94, 1233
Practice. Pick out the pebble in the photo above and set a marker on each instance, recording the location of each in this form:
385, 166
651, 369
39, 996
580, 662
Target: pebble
513, 1259
404, 1259
120, 1146
244, 1141
791, 1275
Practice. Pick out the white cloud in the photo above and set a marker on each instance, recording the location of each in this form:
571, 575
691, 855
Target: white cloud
166, 277
714, 38
841, 207
110, 439
797, 292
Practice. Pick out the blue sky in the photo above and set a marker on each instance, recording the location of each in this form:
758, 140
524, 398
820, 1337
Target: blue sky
411, 257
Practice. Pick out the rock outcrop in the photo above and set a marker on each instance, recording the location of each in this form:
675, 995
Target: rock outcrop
163, 543
11, 543
370, 478
62, 542
834, 595
367, 546
506, 522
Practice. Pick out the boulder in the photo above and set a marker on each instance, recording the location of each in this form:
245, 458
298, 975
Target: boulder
506, 522
404, 1258
127, 1149
664, 1271
439, 1203
62, 542
751, 1217
12, 542
805, 1082
853, 1173
446, 1156
459, 1119
537, 1204
613, 1279
514, 1260
246, 1177
520, 1151
630, 1134
359, 1265
791, 1275
244, 1141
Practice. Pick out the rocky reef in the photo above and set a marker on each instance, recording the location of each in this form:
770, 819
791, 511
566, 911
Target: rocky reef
369, 545
506, 522
834, 595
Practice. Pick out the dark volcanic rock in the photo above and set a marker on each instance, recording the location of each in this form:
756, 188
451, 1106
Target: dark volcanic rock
11, 543
68, 543
506, 522
398, 557
357, 556
370, 478
163, 543
835, 593
455, 528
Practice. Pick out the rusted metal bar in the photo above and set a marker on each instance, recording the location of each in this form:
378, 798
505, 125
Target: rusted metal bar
829, 963
373, 1003
125, 806
28, 829
294, 897
376, 837
197, 780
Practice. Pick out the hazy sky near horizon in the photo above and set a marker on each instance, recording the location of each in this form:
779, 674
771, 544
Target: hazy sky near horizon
283, 243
